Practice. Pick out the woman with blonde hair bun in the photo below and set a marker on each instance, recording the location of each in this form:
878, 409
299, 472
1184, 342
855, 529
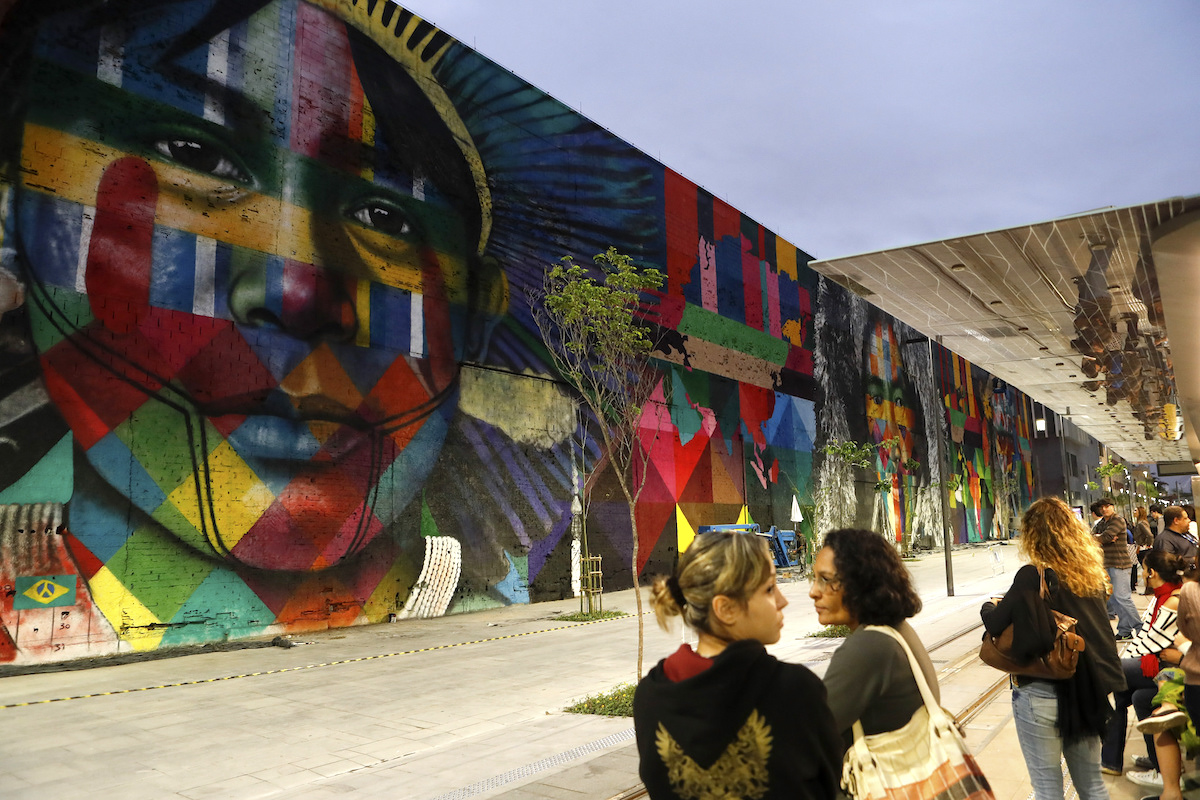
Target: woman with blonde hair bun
1066, 718
727, 719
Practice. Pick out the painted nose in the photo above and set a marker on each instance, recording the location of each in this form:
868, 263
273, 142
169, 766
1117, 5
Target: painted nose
308, 302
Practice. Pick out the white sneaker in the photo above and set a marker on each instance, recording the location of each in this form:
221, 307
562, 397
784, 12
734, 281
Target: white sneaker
1150, 777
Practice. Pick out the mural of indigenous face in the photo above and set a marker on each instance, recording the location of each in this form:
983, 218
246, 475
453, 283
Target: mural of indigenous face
890, 398
250, 281
891, 404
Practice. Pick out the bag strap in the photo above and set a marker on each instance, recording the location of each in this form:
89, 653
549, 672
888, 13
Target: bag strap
926, 693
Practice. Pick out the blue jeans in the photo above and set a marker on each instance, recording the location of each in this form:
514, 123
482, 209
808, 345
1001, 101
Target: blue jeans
1035, 711
1121, 602
1139, 692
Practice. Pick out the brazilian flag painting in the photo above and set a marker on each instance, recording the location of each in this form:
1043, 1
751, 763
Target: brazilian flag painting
45, 591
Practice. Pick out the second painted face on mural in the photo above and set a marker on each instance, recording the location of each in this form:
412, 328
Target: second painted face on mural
890, 398
250, 285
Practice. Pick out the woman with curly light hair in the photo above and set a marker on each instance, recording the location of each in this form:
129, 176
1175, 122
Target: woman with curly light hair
1060, 718
727, 719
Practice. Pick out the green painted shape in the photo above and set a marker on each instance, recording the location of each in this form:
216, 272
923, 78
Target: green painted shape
51, 480
696, 383
158, 572
712, 327
169, 517
957, 418
167, 457
429, 526
684, 416
44, 591
222, 607
75, 310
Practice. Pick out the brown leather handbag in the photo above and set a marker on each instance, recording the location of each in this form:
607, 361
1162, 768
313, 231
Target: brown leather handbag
1056, 665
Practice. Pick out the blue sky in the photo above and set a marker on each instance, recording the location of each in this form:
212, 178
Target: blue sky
851, 127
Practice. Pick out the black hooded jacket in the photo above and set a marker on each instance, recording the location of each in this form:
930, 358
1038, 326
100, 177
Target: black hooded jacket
749, 726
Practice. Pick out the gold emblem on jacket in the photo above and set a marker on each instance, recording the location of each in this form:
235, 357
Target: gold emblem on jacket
739, 772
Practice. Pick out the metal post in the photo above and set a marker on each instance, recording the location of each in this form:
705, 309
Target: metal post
947, 539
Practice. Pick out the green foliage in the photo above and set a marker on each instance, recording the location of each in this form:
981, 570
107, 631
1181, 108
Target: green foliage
1091, 486
615, 703
600, 336
831, 632
1109, 470
590, 616
852, 453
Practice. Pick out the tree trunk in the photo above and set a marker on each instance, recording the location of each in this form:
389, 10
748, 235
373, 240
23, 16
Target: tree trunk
637, 584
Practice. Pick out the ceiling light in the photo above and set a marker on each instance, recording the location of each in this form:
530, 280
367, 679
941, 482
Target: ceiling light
1022, 330
996, 303
1043, 349
1114, 287
958, 267
1059, 363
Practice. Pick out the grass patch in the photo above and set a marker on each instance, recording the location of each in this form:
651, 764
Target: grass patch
615, 703
831, 632
590, 616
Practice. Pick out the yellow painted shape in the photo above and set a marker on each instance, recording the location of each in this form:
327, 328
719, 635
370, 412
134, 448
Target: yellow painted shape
389, 596
239, 497
362, 311
785, 258
744, 516
129, 618
368, 134
684, 530
793, 331
71, 168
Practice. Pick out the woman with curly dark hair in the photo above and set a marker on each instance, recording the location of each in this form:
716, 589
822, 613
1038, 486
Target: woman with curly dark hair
858, 579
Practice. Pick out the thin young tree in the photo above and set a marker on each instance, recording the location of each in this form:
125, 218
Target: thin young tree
600, 343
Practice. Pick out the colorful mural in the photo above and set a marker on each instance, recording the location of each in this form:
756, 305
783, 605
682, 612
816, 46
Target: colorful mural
267, 360
990, 454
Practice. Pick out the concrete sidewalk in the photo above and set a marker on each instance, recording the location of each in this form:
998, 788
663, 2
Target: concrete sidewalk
462, 707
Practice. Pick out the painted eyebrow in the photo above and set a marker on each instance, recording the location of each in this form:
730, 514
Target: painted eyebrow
239, 109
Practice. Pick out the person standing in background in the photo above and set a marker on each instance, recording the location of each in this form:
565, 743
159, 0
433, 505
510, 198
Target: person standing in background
1176, 538
1111, 532
1143, 540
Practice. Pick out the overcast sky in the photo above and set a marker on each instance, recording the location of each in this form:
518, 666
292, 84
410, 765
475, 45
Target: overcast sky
848, 127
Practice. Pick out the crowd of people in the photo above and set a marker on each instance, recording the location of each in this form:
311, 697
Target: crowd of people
725, 718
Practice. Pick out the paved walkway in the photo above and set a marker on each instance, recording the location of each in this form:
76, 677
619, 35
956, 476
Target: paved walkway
463, 707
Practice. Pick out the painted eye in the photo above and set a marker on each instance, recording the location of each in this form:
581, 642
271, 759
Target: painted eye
383, 217
878, 398
201, 156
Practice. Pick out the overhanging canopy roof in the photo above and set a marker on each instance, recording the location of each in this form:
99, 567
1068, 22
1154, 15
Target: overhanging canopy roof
1095, 315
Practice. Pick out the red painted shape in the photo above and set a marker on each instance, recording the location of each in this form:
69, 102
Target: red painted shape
752, 286
120, 251
226, 367
683, 231
652, 520
83, 419
8, 648
320, 102
315, 301
727, 220
84, 559
438, 330
757, 405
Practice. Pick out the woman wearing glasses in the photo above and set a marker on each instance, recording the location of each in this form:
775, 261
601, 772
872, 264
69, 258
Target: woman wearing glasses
859, 579
1057, 719
727, 719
